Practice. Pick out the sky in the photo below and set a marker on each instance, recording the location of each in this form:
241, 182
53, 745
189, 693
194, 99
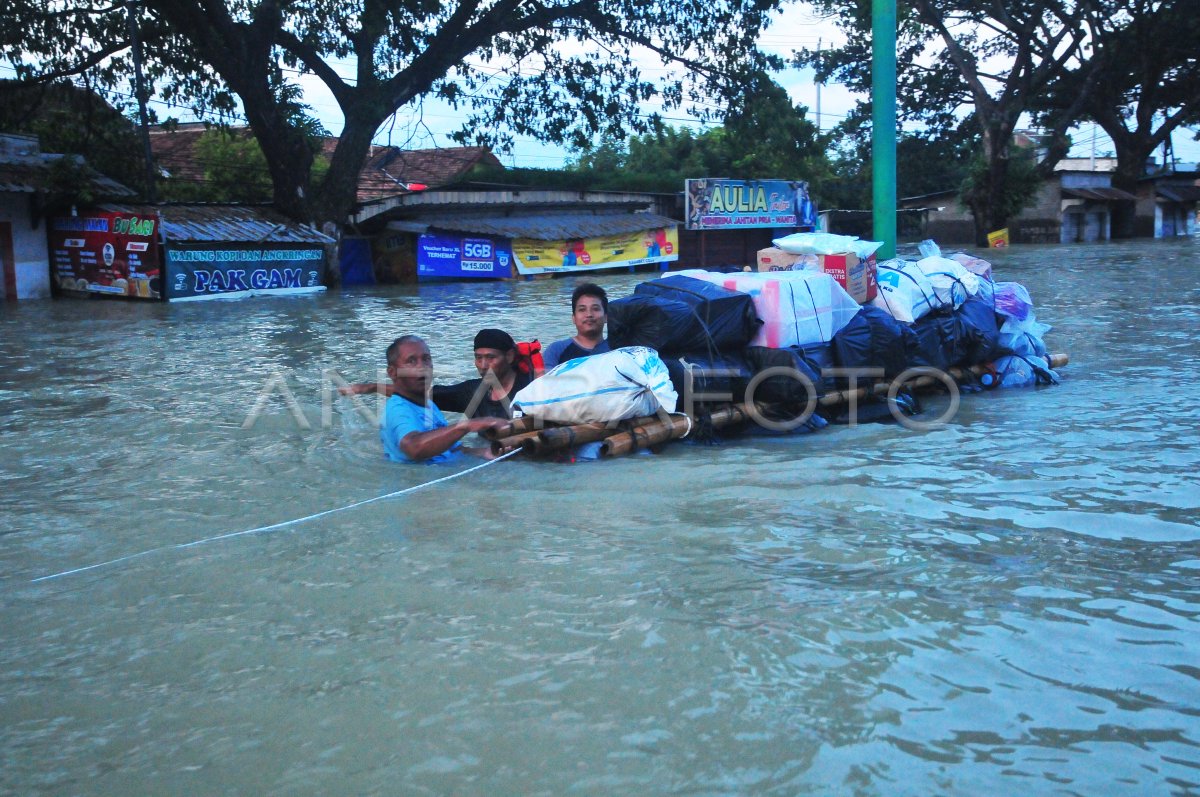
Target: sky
796, 27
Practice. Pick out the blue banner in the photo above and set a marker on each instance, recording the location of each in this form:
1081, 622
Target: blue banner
227, 272
739, 204
440, 255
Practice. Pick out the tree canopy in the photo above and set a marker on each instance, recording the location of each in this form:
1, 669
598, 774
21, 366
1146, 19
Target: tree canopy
559, 70
1140, 83
992, 58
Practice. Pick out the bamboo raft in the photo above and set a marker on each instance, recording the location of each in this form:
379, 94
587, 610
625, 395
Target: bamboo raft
537, 439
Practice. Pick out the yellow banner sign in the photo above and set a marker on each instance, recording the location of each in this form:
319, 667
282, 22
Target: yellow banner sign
998, 239
659, 245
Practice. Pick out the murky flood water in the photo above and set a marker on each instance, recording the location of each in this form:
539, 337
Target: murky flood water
1006, 605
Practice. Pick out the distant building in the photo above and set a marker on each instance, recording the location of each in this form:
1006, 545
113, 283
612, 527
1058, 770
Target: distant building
26, 181
1075, 205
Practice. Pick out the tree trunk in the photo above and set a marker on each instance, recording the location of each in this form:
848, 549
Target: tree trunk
1131, 162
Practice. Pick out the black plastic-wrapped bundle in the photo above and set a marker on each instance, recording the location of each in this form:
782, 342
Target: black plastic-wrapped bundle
962, 337
873, 339
715, 379
981, 335
793, 385
679, 314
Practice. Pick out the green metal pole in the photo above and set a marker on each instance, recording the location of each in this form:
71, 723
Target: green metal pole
883, 124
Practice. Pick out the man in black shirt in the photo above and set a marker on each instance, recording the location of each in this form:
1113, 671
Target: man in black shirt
489, 396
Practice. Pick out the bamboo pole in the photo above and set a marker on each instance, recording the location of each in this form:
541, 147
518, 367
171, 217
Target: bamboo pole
646, 435
526, 423
506, 444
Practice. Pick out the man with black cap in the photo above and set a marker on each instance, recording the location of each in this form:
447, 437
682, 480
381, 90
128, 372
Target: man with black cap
491, 395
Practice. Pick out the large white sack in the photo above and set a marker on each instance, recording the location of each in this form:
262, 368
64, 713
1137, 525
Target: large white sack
797, 308
904, 290
952, 280
630, 382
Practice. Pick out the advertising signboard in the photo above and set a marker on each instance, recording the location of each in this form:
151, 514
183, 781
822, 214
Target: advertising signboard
443, 255
659, 245
228, 271
108, 253
740, 204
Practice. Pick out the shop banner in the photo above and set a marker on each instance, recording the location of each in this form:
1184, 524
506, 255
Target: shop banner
741, 204
226, 271
659, 245
460, 256
108, 253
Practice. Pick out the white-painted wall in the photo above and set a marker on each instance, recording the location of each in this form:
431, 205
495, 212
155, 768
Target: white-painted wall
29, 247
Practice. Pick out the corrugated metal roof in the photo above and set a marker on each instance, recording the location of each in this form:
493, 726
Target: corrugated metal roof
542, 227
1179, 193
219, 223
1098, 194
30, 174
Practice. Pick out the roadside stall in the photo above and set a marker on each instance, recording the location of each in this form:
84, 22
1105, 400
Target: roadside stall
185, 252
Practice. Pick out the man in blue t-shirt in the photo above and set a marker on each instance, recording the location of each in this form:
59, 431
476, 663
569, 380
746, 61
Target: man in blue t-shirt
589, 311
413, 428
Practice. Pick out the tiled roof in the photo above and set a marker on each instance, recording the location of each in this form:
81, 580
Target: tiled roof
386, 171
175, 150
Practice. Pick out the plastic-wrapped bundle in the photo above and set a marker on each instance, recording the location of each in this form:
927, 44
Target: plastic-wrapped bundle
624, 383
873, 339
1019, 371
905, 292
681, 314
1024, 337
799, 379
980, 335
1013, 300
949, 338
952, 282
797, 308
704, 378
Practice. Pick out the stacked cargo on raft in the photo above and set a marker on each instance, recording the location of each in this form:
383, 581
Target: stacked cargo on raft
697, 354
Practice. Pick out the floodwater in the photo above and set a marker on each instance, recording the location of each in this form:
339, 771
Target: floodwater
1008, 604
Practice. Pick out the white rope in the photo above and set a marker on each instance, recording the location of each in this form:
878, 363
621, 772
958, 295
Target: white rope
275, 526
689, 420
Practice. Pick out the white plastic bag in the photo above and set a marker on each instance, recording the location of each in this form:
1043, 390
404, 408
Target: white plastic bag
904, 290
815, 243
630, 382
796, 307
952, 281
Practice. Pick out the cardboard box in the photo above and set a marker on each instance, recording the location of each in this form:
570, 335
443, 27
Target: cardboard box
775, 259
856, 276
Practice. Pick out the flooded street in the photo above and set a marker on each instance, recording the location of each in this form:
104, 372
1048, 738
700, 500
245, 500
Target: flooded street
1009, 604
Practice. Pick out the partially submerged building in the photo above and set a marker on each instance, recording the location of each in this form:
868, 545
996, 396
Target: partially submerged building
27, 181
1076, 205
186, 252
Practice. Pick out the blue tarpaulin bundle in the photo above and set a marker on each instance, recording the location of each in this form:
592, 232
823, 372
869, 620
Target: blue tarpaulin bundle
679, 314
